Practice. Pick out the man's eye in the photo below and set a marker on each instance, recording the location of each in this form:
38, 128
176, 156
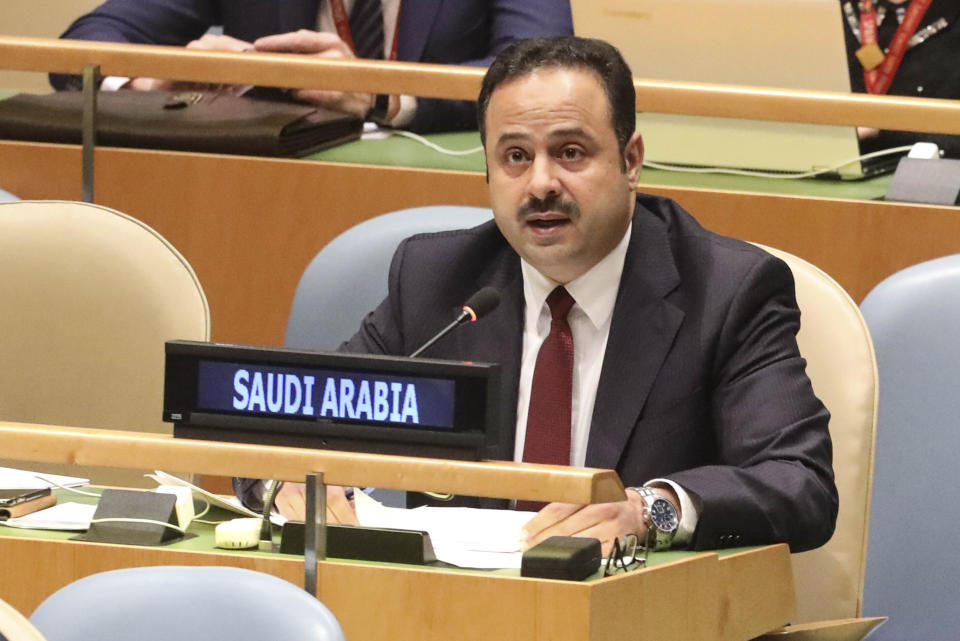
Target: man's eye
516, 156
571, 153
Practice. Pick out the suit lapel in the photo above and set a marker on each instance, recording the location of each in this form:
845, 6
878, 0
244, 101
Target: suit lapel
642, 330
417, 18
297, 14
498, 338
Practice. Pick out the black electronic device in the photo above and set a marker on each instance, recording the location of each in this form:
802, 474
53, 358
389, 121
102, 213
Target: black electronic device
134, 517
9, 498
354, 402
571, 558
386, 545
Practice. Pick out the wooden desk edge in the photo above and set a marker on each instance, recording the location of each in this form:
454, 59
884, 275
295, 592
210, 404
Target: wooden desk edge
499, 479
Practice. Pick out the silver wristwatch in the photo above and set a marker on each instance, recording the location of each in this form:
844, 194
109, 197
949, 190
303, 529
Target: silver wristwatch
660, 517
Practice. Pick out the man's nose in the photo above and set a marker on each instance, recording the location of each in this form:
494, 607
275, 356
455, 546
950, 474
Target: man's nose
544, 178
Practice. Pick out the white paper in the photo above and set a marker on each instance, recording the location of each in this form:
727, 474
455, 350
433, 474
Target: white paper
230, 503
467, 537
14, 479
63, 516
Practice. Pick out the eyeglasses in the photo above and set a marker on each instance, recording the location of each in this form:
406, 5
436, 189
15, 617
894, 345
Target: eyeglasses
626, 556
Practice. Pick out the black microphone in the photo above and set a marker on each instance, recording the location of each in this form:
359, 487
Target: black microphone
480, 304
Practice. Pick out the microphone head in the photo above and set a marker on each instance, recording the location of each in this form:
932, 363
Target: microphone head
482, 303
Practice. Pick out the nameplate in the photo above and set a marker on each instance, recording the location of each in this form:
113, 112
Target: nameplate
377, 404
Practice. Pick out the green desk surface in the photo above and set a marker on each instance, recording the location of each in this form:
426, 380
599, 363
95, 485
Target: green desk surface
400, 151
203, 541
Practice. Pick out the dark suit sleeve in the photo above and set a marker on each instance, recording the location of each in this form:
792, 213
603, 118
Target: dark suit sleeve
509, 20
158, 22
155, 22
774, 477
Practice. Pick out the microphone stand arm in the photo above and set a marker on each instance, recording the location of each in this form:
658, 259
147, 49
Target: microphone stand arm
463, 317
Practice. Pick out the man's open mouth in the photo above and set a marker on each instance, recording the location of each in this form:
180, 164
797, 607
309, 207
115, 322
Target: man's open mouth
547, 223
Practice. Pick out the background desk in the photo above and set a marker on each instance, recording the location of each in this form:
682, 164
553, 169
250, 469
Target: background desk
684, 597
250, 226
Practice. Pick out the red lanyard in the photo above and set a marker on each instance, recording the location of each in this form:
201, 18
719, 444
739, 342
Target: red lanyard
343, 26
879, 69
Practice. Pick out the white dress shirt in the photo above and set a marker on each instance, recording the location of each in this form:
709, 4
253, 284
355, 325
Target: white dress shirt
595, 293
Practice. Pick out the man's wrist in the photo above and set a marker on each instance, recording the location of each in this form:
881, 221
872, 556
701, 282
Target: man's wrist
659, 513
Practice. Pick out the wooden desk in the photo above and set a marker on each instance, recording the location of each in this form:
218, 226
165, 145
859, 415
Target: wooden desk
697, 597
686, 596
249, 226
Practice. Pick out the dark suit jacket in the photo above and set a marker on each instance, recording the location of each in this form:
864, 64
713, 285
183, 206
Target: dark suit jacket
466, 32
701, 383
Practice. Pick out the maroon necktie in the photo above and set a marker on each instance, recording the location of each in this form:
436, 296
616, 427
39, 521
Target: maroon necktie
548, 418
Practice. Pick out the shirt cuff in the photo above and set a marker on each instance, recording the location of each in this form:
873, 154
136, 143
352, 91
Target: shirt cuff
408, 109
113, 83
689, 510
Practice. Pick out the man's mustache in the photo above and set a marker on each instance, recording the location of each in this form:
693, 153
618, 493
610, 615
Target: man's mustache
553, 202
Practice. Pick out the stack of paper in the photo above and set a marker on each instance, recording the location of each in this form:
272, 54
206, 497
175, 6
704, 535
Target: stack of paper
13, 479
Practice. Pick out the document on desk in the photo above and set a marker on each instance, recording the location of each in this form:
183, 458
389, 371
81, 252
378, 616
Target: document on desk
64, 516
466, 537
230, 503
14, 479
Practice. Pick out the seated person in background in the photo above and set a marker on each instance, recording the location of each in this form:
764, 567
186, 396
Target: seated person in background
465, 32
928, 67
630, 337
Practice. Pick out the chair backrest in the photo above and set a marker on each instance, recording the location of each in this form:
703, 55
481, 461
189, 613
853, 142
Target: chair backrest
913, 569
180, 602
89, 295
348, 278
16, 627
834, 340
6, 196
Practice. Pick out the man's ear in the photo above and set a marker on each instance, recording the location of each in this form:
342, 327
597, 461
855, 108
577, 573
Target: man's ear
633, 158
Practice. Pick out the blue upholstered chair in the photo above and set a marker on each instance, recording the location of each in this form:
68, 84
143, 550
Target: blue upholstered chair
913, 569
177, 602
6, 196
348, 278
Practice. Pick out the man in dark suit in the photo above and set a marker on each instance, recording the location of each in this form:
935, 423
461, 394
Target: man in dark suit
686, 377
464, 32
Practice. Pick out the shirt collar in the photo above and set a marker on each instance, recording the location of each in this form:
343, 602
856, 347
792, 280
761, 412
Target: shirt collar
595, 291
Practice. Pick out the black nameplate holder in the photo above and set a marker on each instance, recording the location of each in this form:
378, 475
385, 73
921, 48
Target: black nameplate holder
353, 402
128, 512
383, 545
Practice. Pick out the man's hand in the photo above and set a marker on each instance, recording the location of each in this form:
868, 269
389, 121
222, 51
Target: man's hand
604, 521
291, 502
324, 45
207, 42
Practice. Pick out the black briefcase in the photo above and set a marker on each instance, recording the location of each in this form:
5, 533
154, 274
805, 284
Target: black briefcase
180, 120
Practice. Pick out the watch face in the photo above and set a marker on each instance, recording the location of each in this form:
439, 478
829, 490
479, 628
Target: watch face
664, 515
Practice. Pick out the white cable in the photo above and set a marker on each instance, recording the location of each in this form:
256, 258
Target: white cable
434, 146
677, 168
763, 174
148, 521
64, 487
203, 512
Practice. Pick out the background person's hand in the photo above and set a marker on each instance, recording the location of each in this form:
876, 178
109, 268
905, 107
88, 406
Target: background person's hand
324, 45
207, 42
291, 502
